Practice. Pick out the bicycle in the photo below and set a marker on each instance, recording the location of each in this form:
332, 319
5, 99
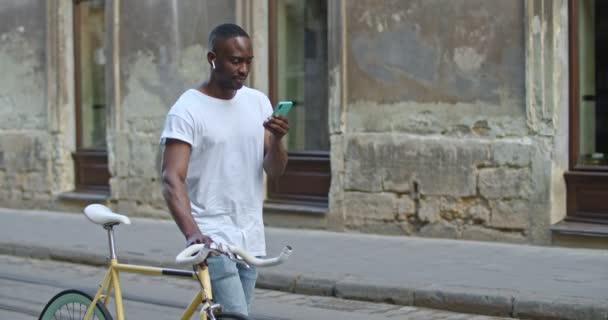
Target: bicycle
77, 305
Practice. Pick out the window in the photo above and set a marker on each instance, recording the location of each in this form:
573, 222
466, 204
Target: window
587, 180
592, 84
91, 157
298, 72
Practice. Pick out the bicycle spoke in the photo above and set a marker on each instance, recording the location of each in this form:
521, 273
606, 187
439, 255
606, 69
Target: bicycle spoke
69, 312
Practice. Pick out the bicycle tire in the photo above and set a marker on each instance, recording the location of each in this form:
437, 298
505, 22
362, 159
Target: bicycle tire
230, 316
73, 304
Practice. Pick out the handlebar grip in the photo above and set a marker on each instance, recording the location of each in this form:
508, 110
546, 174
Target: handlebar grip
193, 255
258, 262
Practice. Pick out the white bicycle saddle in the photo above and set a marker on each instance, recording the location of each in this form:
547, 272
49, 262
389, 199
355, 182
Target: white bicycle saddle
102, 215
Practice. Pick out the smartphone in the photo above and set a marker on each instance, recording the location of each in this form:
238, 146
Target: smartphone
283, 108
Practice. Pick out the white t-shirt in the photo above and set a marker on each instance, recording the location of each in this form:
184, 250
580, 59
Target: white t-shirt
225, 172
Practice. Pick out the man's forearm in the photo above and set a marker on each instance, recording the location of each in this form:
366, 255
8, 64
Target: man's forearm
179, 205
275, 160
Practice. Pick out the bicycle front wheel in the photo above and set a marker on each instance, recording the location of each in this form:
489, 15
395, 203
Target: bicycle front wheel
230, 316
73, 305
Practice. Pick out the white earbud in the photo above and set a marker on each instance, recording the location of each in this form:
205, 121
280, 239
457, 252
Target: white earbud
213, 64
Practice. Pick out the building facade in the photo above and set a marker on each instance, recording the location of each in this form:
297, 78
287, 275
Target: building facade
465, 119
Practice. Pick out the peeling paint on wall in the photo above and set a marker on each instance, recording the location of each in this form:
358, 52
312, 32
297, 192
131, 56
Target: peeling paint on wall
468, 59
436, 51
22, 84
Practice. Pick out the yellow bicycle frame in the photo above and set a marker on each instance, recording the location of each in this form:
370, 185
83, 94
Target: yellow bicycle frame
111, 282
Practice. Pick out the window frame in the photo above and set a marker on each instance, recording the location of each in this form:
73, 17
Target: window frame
586, 186
574, 93
91, 170
309, 170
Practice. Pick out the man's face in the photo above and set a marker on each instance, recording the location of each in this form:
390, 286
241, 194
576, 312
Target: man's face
233, 62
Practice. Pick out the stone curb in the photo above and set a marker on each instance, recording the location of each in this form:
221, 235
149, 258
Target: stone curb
468, 300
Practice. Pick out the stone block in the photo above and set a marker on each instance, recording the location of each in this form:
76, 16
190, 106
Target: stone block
496, 183
117, 189
478, 212
393, 228
337, 155
479, 233
335, 214
144, 160
512, 153
31, 251
405, 206
372, 291
377, 206
469, 300
276, 280
146, 190
154, 210
27, 195
440, 229
395, 162
126, 207
510, 214
315, 285
544, 308
361, 165
429, 210
120, 153
23, 153
36, 182
393, 117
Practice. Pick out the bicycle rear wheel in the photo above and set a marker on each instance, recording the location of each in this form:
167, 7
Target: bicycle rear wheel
73, 304
230, 316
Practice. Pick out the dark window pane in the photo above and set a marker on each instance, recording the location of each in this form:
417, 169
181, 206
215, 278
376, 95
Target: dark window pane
593, 82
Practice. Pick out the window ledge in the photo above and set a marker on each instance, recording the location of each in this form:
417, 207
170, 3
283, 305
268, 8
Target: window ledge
295, 208
580, 229
84, 196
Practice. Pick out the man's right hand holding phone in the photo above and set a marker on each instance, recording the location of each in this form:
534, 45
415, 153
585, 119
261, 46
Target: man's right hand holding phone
275, 155
278, 125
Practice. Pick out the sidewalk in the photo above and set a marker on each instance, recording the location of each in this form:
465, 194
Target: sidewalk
474, 277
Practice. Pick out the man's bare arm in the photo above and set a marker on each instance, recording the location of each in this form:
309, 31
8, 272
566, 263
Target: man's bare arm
176, 157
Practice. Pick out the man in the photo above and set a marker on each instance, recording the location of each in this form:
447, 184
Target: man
217, 139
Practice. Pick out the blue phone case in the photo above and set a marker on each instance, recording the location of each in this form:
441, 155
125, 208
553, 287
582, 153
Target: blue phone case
283, 108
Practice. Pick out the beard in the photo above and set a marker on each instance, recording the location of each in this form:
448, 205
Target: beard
231, 84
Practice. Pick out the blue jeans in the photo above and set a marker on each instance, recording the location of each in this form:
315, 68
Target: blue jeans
232, 284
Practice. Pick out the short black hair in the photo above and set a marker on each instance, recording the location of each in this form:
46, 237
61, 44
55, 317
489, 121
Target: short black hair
225, 31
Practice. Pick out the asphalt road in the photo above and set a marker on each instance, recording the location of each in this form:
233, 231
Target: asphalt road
27, 284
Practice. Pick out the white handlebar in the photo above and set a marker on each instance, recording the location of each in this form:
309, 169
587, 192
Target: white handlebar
197, 253
258, 262
193, 254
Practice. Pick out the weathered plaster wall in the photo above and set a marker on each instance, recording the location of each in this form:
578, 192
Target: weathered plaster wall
438, 137
547, 83
163, 46
25, 143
